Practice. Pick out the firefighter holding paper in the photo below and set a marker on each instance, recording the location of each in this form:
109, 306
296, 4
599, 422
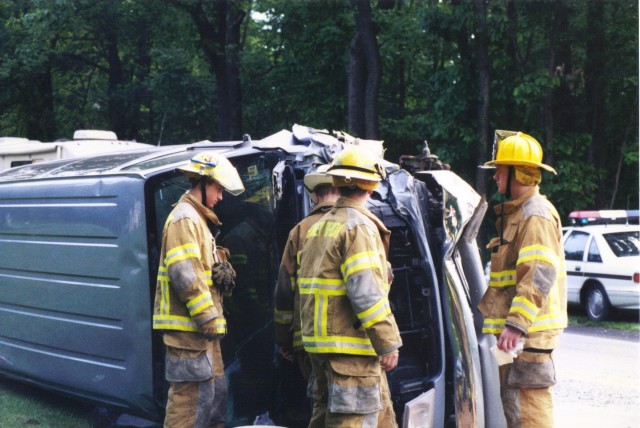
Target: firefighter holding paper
526, 297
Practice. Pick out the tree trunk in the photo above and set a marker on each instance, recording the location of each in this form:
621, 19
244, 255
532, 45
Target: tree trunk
365, 78
553, 67
594, 89
623, 146
484, 92
117, 109
38, 107
220, 40
356, 87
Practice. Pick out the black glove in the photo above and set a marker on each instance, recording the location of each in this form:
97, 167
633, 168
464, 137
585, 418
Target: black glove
224, 277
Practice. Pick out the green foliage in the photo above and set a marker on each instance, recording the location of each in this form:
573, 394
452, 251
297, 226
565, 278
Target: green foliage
138, 67
297, 72
626, 322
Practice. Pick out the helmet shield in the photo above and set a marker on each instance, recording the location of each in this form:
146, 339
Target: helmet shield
216, 167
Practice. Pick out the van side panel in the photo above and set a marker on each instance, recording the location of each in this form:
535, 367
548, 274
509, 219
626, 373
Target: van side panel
75, 299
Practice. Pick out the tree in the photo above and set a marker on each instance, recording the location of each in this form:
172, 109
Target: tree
365, 73
219, 25
484, 92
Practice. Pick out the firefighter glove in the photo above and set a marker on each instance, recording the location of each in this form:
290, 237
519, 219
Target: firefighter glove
224, 277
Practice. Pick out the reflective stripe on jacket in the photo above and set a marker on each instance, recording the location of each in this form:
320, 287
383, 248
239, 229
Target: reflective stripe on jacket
185, 296
287, 297
527, 286
343, 284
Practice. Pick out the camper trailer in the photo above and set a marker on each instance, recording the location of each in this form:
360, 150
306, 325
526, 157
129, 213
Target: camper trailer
22, 151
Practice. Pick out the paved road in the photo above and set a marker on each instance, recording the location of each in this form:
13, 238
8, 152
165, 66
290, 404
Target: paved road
598, 380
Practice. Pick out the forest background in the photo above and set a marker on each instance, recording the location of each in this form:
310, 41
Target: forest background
404, 71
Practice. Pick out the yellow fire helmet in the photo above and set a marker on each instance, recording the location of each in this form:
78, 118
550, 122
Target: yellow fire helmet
214, 167
355, 166
317, 178
517, 148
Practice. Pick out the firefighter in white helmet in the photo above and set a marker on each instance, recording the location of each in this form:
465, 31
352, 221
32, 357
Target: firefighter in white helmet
193, 276
526, 298
347, 325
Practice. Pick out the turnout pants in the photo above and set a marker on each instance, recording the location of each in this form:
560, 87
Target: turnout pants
350, 392
525, 389
198, 389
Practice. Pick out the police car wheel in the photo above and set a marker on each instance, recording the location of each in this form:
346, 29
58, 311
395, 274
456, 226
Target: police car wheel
597, 305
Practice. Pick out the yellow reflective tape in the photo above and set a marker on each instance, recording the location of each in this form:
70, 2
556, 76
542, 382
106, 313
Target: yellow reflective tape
526, 302
174, 322
380, 310
282, 317
525, 307
321, 314
164, 297
493, 325
199, 303
221, 325
520, 310
362, 255
381, 316
324, 286
495, 330
503, 278
360, 261
537, 252
338, 344
183, 252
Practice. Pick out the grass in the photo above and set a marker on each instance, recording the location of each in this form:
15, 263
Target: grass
27, 406
619, 320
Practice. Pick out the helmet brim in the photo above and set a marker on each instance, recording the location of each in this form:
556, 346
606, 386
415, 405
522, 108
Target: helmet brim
519, 163
351, 173
232, 184
312, 181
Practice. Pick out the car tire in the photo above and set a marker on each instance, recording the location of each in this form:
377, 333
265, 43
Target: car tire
597, 304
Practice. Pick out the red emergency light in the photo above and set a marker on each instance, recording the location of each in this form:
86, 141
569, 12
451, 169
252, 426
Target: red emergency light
581, 218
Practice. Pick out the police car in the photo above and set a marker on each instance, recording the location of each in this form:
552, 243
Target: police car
602, 257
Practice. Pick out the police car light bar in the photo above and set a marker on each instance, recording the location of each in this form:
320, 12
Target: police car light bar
581, 218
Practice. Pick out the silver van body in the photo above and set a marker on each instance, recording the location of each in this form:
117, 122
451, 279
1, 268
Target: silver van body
79, 240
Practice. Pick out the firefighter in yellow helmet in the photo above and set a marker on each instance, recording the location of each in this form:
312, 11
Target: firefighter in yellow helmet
288, 333
347, 325
193, 276
526, 298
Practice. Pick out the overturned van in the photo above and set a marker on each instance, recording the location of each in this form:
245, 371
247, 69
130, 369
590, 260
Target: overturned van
80, 239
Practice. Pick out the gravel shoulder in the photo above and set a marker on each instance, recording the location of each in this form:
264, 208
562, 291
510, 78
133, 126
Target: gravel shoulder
632, 336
